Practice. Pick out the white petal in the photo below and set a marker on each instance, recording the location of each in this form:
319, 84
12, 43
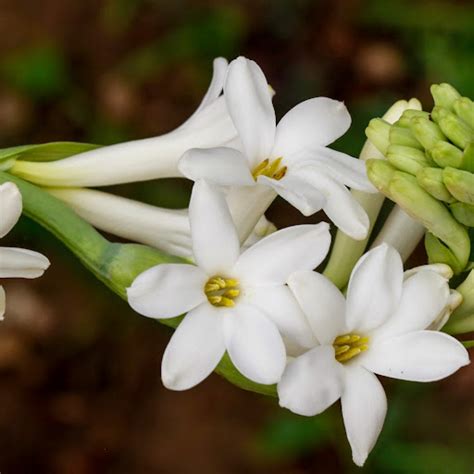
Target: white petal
194, 350
321, 302
297, 192
317, 121
249, 103
364, 406
21, 263
221, 165
216, 245
2, 302
280, 306
420, 356
375, 289
340, 206
10, 207
254, 344
272, 260
311, 382
343, 168
424, 295
219, 72
167, 290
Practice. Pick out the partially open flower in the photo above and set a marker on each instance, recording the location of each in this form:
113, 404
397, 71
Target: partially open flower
15, 262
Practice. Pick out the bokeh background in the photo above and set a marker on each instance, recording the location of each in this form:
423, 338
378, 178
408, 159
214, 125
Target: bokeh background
80, 390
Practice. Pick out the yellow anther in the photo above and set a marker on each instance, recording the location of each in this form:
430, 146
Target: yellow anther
222, 291
271, 169
349, 346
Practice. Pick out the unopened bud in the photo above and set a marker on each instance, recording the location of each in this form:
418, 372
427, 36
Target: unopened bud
464, 109
445, 154
444, 95
460, 184
426, 132
431, 180
378, 133
407, 159
463, 213
380, 173
404, 120
456, 130
404, 137
468, 158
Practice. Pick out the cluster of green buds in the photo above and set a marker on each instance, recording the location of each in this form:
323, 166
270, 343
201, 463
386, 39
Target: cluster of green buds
429, 171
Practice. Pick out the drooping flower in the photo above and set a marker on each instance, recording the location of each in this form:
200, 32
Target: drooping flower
145, 159
15, 262
380, 329
292, 158
236, 302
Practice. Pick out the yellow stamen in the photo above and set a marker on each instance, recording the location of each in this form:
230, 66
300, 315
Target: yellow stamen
222, 291
271, 169
348, 346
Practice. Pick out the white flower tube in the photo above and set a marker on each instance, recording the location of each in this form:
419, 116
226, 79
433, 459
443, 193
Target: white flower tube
164, 229
145, 159
15, 262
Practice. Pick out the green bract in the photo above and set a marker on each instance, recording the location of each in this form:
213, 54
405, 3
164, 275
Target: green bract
436, 149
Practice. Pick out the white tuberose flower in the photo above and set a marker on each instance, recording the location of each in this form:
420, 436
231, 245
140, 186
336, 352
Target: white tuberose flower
235, 302
380, 329
292, 158
14, 262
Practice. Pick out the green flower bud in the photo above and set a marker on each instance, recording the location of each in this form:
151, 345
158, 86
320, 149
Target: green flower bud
445, 154
464, 109
439, 113
407, 159
444, 95
380, 174
404, 120
426, 132
456, 130
460, 184
406, 192
404, 137
439, 253
378, 133
468, 158
463, 213
431, 180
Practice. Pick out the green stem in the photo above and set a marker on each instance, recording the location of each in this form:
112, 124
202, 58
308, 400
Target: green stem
116, 265
462, 320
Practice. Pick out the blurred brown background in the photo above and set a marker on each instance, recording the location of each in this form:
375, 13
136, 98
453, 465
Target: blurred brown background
80, 391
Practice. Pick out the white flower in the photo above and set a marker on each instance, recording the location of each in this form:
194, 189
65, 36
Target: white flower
236, 302
292, 158
380, 329
146, 159
15, 262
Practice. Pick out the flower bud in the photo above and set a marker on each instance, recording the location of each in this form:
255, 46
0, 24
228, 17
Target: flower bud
380, 174
444, 95
464, 108
468, 158
445, 154
405, 119
426, 132
460, 184
463, 213
431, 180
456, 129
407, 159
404, 137
378, 133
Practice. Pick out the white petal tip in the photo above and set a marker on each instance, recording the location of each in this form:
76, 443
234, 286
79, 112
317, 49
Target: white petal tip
359, 458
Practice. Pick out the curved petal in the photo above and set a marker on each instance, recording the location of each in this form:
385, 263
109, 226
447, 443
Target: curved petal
219, 71
250, 105
297, 192
2, 302
221, 165
340, 206
21, 263
314, 122
272, 260
364, 406
254, 344
321, 302
194, 350
216, 245
375, 288
343, 168
280, 306
167, 290
10, 207
420, 356
424, 296
311, 383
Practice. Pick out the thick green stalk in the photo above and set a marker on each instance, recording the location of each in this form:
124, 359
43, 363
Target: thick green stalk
116, 265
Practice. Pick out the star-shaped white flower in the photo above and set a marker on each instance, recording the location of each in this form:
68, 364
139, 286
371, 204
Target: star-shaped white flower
15, 262
380, 329
236, 302
292, 158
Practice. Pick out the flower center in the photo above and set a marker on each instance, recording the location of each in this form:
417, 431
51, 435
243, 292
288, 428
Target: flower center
349, 346
270, 168
222, 291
